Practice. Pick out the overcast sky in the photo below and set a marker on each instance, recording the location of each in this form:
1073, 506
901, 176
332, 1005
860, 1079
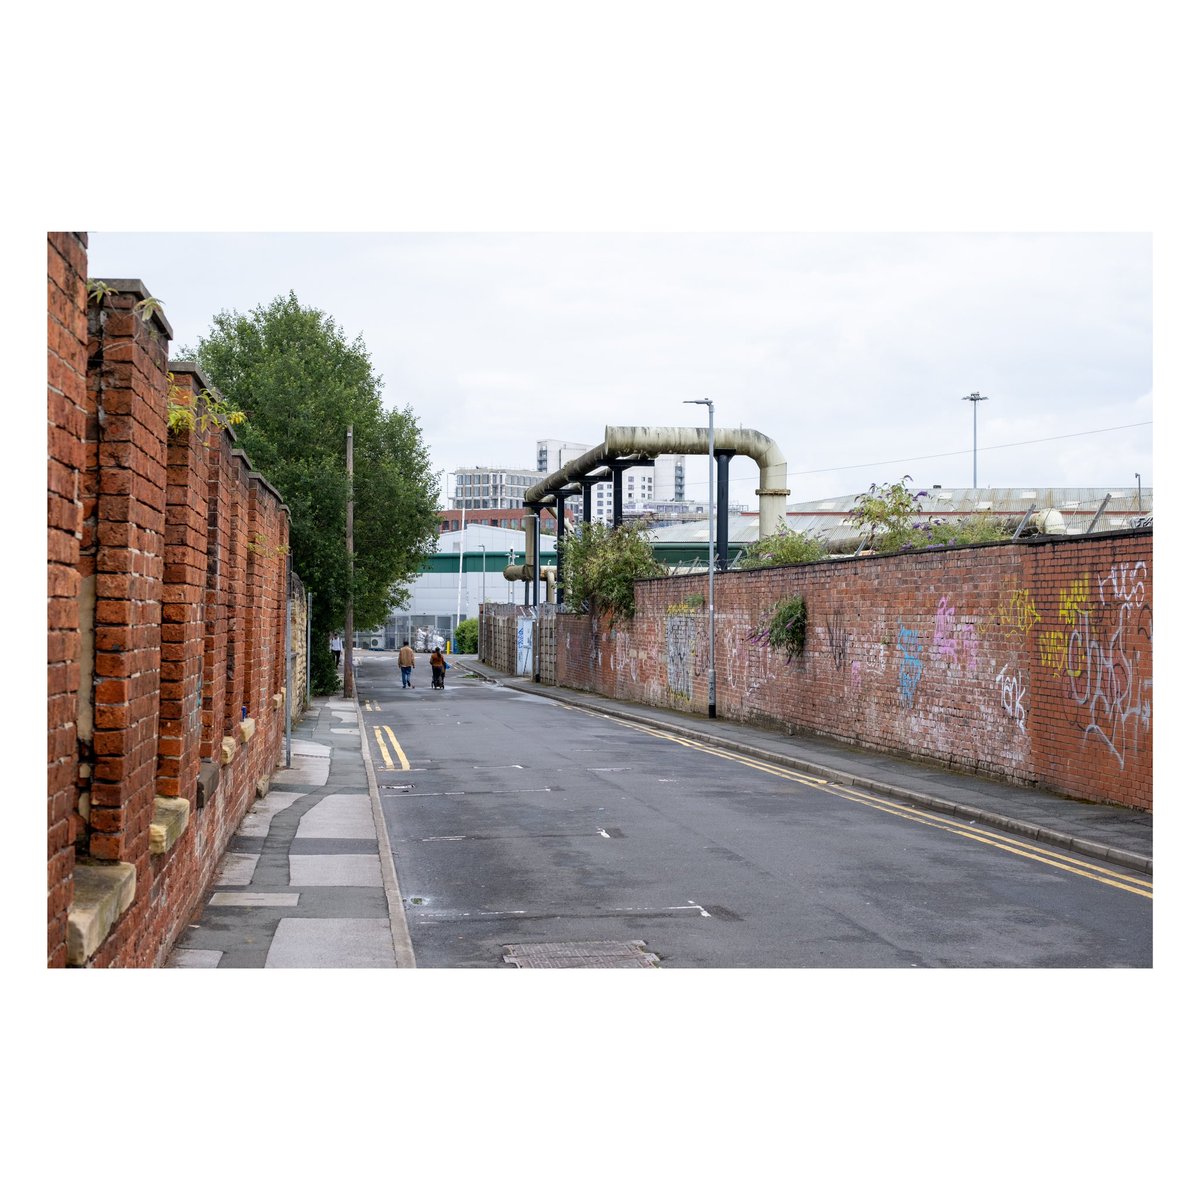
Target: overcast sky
851, 351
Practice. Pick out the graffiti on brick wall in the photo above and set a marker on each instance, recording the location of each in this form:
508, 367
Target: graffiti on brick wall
1012, 694
909, 642
839, 637
746, 661
1017, 613
1073, 600
1074, 605
1108, 661
955, 639
856, 675
681, 654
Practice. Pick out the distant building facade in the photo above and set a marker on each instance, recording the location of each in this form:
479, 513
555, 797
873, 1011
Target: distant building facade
643, 487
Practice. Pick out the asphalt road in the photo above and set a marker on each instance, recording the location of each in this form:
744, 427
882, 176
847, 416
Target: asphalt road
517, 821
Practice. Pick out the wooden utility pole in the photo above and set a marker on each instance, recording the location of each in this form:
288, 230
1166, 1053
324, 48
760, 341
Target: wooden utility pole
348, 639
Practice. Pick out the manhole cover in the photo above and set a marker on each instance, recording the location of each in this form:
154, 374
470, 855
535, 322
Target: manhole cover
580, 954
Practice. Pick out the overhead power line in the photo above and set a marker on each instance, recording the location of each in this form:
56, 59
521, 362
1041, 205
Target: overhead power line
889, 462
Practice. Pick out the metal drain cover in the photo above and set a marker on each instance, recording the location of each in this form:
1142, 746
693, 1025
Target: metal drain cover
580, 954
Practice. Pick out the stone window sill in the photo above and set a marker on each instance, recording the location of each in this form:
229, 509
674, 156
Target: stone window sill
103, 891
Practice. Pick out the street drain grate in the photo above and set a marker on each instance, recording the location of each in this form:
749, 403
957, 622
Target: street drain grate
580, 954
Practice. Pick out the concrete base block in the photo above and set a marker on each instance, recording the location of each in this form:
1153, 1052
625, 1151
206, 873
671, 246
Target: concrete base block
262, 786
228, 750
246, 729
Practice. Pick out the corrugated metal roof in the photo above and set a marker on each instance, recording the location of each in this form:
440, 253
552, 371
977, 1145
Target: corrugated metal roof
831, 517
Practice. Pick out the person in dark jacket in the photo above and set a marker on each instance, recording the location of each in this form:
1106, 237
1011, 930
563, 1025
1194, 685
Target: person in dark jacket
437, 660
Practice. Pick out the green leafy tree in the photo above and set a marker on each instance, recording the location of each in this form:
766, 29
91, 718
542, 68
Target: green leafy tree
602, 564
301, 384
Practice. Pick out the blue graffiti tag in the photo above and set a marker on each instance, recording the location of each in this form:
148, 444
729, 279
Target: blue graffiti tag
910, 667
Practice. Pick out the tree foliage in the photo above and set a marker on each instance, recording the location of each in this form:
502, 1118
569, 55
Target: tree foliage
601, 565
466, 636
301, 384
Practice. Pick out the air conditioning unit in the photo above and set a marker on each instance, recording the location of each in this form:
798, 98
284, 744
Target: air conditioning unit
377, 643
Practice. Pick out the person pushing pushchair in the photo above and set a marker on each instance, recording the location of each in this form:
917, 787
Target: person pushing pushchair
437, 660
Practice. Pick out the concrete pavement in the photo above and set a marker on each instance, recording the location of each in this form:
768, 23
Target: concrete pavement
308, 880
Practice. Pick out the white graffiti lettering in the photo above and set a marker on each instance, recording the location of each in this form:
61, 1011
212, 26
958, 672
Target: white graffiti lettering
1012, 694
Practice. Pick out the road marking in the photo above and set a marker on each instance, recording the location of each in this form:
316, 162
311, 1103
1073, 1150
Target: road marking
387, 758
1134, 884
396, 746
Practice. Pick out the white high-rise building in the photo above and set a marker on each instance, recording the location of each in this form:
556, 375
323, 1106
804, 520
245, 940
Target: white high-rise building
492, 487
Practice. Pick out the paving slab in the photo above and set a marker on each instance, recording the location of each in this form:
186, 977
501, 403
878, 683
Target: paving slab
195, 958
237, 870
332, 942
257, 822
340, 815
334, 870
309, 749
254, 900
307, 771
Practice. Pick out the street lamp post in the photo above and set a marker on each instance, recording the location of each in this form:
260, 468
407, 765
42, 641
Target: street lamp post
973, 399
712, 616
462, 541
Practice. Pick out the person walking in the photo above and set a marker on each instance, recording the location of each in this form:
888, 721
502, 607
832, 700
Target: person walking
406, 661
437, 660
335, 648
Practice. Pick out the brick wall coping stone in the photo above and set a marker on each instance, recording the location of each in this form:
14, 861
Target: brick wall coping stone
255, 477
137, 288
188, 366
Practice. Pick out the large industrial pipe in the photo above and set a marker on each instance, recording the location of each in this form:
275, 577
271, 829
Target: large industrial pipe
624, 440
525, 572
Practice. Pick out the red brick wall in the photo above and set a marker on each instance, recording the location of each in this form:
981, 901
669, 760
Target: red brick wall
127, 367
66, 401
166, 588
183, 595
1030, 662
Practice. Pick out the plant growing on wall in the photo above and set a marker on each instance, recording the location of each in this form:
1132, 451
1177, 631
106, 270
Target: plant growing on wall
786, 628
602, 564
890, 514
782, 548
187, 412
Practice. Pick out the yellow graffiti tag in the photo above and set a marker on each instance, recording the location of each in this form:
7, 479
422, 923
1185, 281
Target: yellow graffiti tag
1073, 600
1052, 645
1017, 613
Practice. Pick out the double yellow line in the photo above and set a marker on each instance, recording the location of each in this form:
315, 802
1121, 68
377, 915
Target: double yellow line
388, 762
1136, 884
